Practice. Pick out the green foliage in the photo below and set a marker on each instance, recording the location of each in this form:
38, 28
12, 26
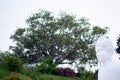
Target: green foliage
47, 66
13, 63
3, 72
97, 30
30, 74
17, 76
34, 76
80, 70
2, 56
64, 37
87, 75
29, 71
53, 77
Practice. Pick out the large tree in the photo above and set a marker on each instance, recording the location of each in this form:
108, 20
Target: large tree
62, 37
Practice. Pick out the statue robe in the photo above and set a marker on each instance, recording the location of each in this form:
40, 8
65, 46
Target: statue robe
109, 71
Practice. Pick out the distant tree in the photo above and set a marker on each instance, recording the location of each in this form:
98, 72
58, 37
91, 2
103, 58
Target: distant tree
118, 45
63, 37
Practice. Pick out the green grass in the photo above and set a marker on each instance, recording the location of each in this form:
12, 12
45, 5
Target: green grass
53, 77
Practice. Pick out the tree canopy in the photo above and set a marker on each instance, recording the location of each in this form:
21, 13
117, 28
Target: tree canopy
62, 37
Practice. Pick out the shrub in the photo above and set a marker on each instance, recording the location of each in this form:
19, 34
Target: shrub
87, 75
47, 66
13, 63
80, 70
66, 72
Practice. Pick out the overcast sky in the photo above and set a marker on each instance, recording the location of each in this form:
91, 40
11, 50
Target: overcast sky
13, 13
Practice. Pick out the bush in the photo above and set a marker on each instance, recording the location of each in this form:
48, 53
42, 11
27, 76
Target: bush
66, 72
13, 63
80, 70
87, 75
47, 66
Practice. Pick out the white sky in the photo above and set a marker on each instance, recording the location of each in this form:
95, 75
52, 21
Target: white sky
13, 14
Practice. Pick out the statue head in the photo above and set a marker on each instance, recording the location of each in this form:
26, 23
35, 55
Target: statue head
104, 49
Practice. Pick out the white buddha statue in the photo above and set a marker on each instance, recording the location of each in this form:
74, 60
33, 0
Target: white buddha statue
109, 70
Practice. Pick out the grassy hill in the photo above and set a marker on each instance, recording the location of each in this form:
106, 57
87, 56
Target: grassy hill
29, 75
12, 69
